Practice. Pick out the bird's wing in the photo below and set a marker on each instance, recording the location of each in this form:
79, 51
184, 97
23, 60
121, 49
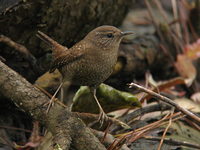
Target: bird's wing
57, 48
69, 57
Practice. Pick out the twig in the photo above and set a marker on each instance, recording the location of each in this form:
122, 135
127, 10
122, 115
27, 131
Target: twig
14, 128
11, 7
16, 46
105, 133
153, 20
161, 9
109, 140
161, 122
175, 12
166, 100
2, 59
22, 49
117, 144
173, 142
178, 44
6, 141
183, 21
110, 147
140, 132
176, 39
164, 133
144, 110
194, 34
166, 52
192, 124
139, 112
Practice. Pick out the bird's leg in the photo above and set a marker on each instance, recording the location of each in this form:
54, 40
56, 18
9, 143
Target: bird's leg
63, 91
102, 115
52, 98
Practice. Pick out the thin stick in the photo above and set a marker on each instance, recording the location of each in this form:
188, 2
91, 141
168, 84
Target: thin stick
20, 48
175, 12
14, 128
177, 40
138, 133
106, 132
173, 142
166, 129
166, 100
150, 11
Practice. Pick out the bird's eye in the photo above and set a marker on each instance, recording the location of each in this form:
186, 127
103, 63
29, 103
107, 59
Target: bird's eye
110, 35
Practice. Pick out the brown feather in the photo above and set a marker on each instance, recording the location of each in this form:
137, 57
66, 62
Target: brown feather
68, 57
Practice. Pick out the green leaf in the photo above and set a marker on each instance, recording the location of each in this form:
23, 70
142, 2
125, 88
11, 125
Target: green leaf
109, 98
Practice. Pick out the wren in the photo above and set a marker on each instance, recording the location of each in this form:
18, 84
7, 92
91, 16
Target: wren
90, 61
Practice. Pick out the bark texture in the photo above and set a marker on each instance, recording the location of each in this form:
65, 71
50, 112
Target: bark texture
67, 21
65, 127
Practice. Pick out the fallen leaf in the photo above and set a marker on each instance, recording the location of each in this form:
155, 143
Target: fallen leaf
186, 69
188, 104
110, 98
196, 97
162, 86
192, 51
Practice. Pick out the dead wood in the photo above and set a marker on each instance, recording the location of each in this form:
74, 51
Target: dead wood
64, 126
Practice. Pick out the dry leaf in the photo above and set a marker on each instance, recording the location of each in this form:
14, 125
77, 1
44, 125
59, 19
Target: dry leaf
192, 51
161, 86
196, 97
188, 104
186, 69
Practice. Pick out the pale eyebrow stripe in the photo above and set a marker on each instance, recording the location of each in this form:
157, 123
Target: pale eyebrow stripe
108, 31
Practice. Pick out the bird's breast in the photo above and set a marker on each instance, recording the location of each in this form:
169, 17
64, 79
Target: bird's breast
90, 70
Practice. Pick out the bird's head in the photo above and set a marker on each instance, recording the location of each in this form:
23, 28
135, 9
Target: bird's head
106, 36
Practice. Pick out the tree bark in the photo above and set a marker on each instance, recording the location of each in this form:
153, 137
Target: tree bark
67, 21
64, 126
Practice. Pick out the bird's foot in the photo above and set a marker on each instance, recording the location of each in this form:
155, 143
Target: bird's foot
102, 117
53, 98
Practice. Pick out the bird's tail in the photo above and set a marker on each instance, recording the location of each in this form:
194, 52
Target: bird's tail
46, 39
57, 48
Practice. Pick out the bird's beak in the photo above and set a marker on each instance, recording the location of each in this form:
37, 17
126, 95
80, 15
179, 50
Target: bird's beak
126, 33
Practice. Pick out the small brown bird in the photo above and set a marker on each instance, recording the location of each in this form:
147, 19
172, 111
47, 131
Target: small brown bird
90, 61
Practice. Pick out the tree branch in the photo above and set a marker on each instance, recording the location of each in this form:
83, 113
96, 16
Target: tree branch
64, 126
168, 101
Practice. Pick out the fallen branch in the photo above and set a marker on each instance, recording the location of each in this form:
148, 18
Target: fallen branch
167, 100
65, 127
